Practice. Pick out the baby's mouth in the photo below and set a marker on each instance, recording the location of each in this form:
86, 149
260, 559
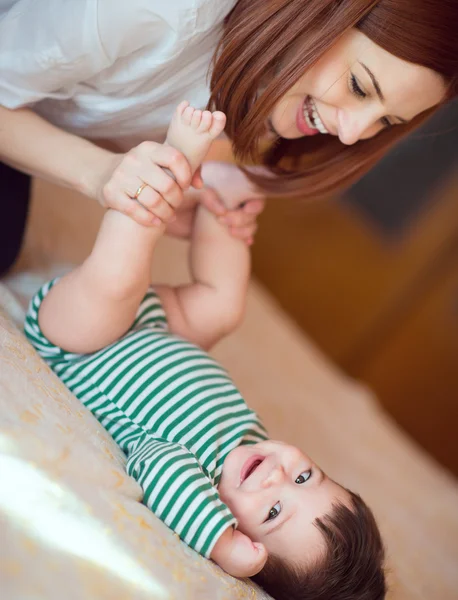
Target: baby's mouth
250, 466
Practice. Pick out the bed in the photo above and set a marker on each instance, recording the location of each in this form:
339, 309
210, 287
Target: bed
72, 523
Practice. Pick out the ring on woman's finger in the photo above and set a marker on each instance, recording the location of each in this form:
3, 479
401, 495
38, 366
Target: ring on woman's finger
139, 191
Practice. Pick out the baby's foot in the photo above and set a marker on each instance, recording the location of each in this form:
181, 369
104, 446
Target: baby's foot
192, 132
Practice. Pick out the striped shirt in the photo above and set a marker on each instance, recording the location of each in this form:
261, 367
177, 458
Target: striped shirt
172, 409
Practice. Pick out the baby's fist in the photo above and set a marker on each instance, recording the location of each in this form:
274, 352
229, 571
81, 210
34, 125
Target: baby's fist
238, 555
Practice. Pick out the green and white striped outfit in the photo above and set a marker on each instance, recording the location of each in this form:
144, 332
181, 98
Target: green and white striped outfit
172, 409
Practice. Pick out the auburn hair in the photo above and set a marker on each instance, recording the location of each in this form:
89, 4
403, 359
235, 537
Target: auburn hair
246, 86
351, 568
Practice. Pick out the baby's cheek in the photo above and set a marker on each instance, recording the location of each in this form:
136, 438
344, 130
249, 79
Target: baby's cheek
247, 513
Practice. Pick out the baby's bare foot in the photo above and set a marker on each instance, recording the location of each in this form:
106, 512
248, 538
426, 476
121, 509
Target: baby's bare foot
192, 131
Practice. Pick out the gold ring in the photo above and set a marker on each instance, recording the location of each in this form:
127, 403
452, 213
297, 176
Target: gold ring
140, 190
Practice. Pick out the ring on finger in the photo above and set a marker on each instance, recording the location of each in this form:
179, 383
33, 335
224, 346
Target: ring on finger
139, 191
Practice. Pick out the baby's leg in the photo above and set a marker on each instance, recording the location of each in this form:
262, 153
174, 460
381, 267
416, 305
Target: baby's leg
192, 131
213, 303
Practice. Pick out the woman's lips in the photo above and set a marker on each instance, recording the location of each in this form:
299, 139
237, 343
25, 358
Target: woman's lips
302, 124
309, 120
250, 466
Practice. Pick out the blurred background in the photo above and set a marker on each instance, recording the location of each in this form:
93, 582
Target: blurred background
372, 277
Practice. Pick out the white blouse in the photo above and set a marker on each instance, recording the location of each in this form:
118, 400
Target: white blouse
108, 69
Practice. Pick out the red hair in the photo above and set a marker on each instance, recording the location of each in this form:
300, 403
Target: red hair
259, 33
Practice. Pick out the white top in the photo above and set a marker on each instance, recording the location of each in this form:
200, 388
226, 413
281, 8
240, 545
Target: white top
112, 69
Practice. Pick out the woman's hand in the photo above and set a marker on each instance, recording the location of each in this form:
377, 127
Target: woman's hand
162, 195
230, 196
242, 202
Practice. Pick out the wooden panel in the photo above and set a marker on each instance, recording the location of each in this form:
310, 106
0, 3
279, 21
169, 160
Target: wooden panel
384, 309
416, 370
338, 277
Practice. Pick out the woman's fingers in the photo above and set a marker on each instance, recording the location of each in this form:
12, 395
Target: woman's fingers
171, 158
253, 206
162, 193
212, 202
242, 222
155, 204
246, 233
197, 181
135, 210
238, 218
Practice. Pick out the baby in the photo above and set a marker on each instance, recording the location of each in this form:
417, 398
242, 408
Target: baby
136, 357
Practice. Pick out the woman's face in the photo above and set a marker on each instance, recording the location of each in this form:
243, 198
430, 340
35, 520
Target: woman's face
354, 91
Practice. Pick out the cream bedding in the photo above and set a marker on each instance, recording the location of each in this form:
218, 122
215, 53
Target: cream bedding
71, 522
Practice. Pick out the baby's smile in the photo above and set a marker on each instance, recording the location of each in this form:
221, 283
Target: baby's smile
250, 466
276, 492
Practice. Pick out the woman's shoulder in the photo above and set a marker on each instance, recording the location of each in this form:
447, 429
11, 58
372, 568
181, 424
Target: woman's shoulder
125, 27
170, 14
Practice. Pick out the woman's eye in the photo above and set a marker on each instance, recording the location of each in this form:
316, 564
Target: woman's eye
303, 477
356, 87
274, 512
385, 122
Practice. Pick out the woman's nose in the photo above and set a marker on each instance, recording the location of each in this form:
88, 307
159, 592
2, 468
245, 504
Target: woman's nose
274, 477
355, 125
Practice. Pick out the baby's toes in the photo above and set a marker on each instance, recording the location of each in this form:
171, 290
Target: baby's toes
218, 123
206, 122
196, 119
181, 108
187, 115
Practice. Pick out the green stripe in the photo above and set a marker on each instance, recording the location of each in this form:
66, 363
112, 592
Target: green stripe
216, 531
183, 415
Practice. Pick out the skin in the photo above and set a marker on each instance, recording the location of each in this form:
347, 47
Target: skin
408, 90
278, 503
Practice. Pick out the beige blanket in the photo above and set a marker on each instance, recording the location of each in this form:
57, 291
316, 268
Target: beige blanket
71, 522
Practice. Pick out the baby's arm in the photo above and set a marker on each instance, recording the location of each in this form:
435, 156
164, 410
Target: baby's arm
213, 304
238, 555
177, 490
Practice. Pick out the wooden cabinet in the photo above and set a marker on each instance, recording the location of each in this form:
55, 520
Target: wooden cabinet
384, 308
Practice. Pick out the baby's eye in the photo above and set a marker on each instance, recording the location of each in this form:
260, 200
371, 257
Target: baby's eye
303, 477
274, 512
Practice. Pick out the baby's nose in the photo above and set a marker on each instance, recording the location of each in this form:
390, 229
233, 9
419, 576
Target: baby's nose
274, 477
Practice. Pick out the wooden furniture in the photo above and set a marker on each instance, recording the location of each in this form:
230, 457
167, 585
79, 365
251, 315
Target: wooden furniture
385, 309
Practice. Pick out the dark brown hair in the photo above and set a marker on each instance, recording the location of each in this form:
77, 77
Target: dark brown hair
351, 568
258, 35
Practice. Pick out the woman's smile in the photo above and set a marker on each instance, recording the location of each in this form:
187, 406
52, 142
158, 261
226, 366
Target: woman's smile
308, 120
354, 91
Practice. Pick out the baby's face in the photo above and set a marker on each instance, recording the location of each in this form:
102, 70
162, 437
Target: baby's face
276, 492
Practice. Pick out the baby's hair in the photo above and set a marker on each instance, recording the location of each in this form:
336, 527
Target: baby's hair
351, 568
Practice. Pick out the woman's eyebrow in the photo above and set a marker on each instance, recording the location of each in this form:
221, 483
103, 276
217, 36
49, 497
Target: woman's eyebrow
375, 83
377, 87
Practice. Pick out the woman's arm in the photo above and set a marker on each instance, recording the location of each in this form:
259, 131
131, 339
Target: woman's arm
33, 145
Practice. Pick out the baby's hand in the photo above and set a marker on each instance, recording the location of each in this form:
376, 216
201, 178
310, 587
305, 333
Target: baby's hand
238, 555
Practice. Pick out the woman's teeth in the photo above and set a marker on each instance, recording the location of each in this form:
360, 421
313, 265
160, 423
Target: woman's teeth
312, 117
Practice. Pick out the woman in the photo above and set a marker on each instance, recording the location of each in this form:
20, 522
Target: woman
312, 78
